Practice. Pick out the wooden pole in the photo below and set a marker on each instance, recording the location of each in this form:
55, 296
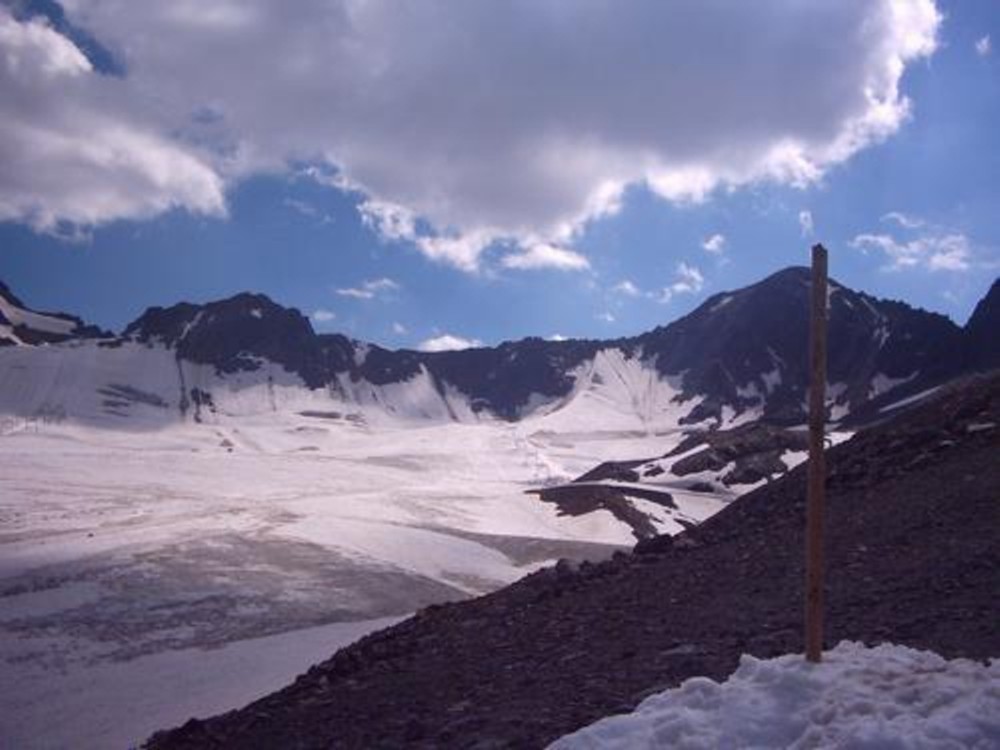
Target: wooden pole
817, 463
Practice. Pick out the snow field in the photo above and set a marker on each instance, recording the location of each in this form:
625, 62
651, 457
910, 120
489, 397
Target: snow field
138, 537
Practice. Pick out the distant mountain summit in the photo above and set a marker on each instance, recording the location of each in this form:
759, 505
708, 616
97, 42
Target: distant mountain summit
235, 334
748, 349
20, 325
740, 356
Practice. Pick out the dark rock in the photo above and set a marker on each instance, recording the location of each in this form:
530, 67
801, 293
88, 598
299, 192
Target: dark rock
654, 545
983, 331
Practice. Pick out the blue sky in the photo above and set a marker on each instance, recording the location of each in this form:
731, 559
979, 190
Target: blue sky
455, 236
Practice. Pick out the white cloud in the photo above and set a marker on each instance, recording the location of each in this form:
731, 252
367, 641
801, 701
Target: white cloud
606, 316
446, 342
390, 99
806, 225
943, 252
984, 46
399, 329
323, 316
390, 221
904, 220
688, 280
544, 255
627, 288
79, 148
714, 244
369, 289
557, 337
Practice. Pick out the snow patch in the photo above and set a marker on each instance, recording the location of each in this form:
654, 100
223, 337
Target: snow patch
791, 459
882, 383
6, 332
885, 696
837, 401
721, 303
361, 350
772, 378
909, 400
750, 392
190, 325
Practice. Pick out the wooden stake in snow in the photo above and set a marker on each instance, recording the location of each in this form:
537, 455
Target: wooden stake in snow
817, 462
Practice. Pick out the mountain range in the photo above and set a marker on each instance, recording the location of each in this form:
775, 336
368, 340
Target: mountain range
740, 356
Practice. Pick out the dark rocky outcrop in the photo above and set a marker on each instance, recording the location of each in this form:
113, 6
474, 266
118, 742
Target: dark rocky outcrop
582, 498
913, 549
983, 331
754, 449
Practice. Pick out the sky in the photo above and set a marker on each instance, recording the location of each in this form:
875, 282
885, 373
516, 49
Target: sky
443, 174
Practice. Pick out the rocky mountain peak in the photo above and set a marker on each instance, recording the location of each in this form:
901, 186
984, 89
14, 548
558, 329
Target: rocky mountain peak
234, 334
748, 348
983, 330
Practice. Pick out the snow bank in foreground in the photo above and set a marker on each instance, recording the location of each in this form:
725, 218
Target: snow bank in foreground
885, 697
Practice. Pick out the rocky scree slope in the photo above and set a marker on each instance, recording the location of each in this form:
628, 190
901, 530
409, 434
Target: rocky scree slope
912, 551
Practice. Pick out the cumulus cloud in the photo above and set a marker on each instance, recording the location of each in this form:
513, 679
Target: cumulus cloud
934, 252
984, 46
606, 316
399, 329
79, 148
688, 280
446, 343
714, 244
369, 289
323, 316
806, 225
455, 143
557, 337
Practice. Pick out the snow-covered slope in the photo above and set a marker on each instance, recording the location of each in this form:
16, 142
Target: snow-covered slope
616, 390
